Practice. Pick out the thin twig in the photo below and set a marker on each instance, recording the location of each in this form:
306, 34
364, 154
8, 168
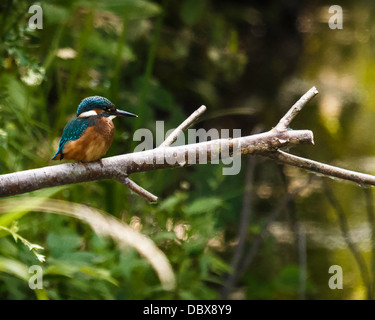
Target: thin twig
280, 206
299, 237
231, 280
358, 257
183, 126
137, 189
123, 177
321, 168
170, 139
260, 237
291, 209
302, 262
295, 109
371, 222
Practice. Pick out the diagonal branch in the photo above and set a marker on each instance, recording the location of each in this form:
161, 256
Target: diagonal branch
183, 126
125, 180
322, 168
295, 109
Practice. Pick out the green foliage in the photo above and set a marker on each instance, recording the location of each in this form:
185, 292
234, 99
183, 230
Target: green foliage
32, 247
162, 60
192, 10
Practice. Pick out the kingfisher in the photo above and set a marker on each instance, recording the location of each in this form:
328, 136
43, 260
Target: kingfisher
89, 135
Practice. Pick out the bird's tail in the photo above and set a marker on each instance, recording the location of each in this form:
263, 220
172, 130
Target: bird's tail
59, 152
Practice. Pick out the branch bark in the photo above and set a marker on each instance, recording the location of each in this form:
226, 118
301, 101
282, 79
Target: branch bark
159, 158
286, 120
322, 168
183, 126
268, 144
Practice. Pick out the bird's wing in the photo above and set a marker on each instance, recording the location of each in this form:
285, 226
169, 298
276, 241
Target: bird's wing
72, 131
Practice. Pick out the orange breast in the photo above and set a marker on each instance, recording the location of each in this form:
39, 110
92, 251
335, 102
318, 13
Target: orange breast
93, 144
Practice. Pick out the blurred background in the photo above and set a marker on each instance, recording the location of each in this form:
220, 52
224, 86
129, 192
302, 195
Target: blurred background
270, 232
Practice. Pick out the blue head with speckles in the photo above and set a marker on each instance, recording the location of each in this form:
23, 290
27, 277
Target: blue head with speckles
95, 102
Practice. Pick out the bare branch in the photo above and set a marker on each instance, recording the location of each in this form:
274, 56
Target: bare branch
125, 180
183, 126
267, 144
295, 109
159, 158
321, 168
138, 189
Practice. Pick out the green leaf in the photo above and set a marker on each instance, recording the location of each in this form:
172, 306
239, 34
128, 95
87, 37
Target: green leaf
61, 268
166, 235
55, 14
134, 9
99, 273
60, 245
107, 48
20, 208
217, 264
32, 247
172, 202
191, 11
287, 281
203, 205
15, 268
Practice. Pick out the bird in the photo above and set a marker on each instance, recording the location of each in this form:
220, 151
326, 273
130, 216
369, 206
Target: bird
89, 135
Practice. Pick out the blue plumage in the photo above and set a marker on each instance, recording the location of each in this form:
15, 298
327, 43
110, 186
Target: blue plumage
89, 103
73, 131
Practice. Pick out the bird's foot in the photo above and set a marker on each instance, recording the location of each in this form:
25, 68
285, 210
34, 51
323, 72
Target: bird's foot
83, 163
100, 162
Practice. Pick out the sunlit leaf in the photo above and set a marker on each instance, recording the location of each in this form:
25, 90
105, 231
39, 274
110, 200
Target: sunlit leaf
15, 268
203, 205
134, 9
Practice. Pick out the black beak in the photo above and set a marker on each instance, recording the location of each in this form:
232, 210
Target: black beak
123, 113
